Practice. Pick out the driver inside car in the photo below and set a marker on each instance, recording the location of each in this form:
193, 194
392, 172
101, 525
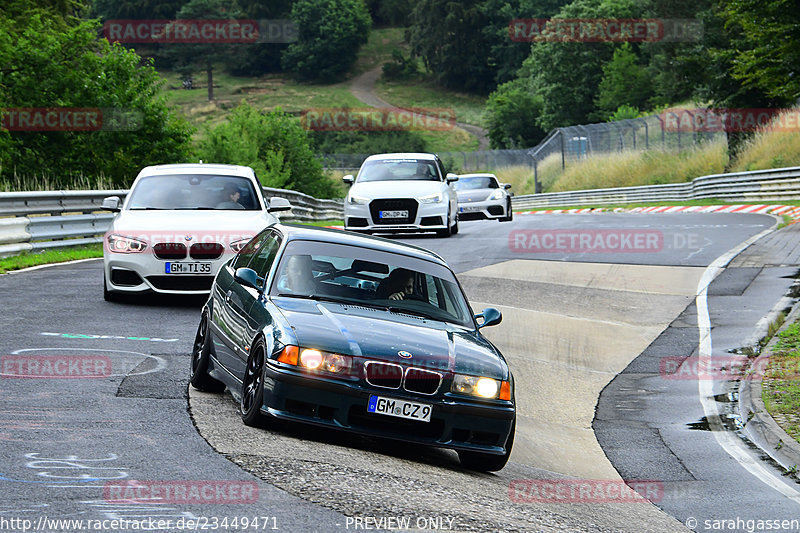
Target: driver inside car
398, 285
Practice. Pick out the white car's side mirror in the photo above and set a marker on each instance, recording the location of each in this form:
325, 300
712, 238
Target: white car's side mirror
349, 179
451, 177
278, 204
110, 203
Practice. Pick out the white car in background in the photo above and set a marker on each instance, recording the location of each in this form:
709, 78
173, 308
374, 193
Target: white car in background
179, 224
404, 192
482, 196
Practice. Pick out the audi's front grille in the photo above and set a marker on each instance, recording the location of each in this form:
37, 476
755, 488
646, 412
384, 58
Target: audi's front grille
394, 376
206, 250
170, 250
386, 206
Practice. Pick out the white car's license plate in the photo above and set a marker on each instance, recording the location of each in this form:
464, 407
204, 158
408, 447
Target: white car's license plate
394, 214
400, 408
187, 268
469, 209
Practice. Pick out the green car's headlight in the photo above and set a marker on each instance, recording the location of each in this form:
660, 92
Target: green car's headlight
481, 387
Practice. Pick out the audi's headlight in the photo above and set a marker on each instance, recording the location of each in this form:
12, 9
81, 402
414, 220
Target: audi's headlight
431, 199
357, 200
481, 387
497, 195
125, 245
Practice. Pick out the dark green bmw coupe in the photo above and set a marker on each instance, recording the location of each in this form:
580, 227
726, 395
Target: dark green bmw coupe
360, 334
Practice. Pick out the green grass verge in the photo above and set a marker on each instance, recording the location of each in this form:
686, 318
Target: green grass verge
780, 389
468, 108
30, 259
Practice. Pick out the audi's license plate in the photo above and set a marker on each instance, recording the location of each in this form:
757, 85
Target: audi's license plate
187, 268
394, 214
400, 408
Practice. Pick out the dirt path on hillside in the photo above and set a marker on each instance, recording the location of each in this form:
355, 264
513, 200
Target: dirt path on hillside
363, 88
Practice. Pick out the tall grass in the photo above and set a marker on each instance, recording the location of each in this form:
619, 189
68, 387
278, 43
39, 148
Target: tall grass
771, 148
627, 169
40, 182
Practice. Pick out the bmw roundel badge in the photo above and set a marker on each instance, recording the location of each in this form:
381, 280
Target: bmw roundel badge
404, 354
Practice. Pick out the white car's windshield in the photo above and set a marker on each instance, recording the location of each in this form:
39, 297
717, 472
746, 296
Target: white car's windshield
399, 169
194, 191
477, 182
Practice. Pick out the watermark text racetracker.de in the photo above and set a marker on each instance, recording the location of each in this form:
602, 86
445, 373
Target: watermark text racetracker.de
85, 119
196, 31
585, 491
378, 119
180, 492
54, 366
624, 240
730, 120
611, 30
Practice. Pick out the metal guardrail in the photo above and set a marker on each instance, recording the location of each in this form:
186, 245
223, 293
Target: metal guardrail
57, 219
782, 184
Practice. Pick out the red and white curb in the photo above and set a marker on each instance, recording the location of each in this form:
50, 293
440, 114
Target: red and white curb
791, 211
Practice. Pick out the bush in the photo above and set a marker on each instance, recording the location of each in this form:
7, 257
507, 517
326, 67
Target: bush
69, 67
274, 144
400, 67
512, 113
364, 142
330, 34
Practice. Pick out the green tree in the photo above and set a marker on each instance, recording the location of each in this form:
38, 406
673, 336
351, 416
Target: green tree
262, 57
625, 82
769, 56
330, 34
273, 143
565, 75
512, 111
188, 56
45, 64
447, 36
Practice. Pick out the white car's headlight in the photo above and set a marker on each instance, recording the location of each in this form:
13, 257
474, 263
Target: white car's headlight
497, 195
357, 200
125, 245
431, 198
236, 246
481, 387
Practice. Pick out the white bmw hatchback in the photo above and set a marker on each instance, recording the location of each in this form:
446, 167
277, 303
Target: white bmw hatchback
179, 224
402, 193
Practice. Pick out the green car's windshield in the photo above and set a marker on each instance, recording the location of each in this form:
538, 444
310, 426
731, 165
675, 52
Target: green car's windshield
361, 276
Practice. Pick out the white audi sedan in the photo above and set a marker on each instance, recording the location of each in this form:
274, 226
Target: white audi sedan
401, 193
179, 224
482, 196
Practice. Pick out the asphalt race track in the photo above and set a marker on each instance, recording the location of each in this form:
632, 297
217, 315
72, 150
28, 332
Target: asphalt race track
122, 437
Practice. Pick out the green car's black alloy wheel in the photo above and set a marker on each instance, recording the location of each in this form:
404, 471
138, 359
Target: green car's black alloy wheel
253, 387
199, 377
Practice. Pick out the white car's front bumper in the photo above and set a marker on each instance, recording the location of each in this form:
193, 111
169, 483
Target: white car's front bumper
487, 209
144, 272
421, 217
